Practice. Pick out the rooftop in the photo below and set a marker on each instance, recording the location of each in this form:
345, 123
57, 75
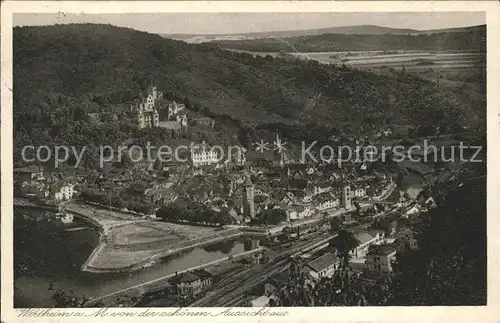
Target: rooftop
28, 169
296, 207
364, 237
324, 185
185, 278
323, 262
203, 274
56, 187
381, 250
323, 197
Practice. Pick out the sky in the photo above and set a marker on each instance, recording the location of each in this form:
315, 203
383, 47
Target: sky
232, 23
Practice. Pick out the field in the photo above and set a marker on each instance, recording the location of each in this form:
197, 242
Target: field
413, 61
131, 242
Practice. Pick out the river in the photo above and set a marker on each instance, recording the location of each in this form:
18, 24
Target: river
50, 254
47, 253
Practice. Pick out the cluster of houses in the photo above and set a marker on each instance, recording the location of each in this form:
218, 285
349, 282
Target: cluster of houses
190, 284
373, 257
194, 283
298, 189
31, 182
245, 186
253, 182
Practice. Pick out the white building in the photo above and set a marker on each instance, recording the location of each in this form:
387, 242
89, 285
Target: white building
66, 218
322, 188
358, 191
366, 240
176, 110
328, 204
239, 157
380, 258
323, 267
202, 156
63, 192
325, 201
296, 212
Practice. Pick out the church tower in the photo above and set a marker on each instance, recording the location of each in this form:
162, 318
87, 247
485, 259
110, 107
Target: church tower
248, 199
346, 195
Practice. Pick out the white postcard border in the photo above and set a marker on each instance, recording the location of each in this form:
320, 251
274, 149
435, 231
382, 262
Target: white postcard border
489, 313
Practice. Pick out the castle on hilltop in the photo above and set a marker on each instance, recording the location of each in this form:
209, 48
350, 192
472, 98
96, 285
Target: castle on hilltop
177, 115
147, 111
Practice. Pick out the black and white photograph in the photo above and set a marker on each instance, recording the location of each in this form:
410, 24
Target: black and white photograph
261, 160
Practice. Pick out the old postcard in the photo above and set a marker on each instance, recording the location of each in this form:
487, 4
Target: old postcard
250, 161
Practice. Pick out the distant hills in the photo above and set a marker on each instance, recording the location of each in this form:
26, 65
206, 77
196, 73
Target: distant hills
62, 72
345, 30
470, 39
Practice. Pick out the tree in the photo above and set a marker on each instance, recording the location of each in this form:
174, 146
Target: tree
335, 224
344, 288
344, 242
272, 216
358, 209
78, 113
126, 161
157, 165
64, 299
449, 267
188, 103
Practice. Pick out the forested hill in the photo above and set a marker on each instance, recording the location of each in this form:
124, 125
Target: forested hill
471, 38
62, 71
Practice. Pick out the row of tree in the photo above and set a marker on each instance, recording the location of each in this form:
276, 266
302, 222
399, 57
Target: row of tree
194, 213
116, 200
271, 217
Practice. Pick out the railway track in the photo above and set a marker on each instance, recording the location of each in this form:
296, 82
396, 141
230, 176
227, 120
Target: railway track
237, 285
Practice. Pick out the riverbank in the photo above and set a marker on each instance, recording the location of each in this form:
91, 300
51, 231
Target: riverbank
129, 244
25, 203
158, 283
116, 254
47, 254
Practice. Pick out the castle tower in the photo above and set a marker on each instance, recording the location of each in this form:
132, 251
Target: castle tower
156, 118
183, 122
140, 117
248, 199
